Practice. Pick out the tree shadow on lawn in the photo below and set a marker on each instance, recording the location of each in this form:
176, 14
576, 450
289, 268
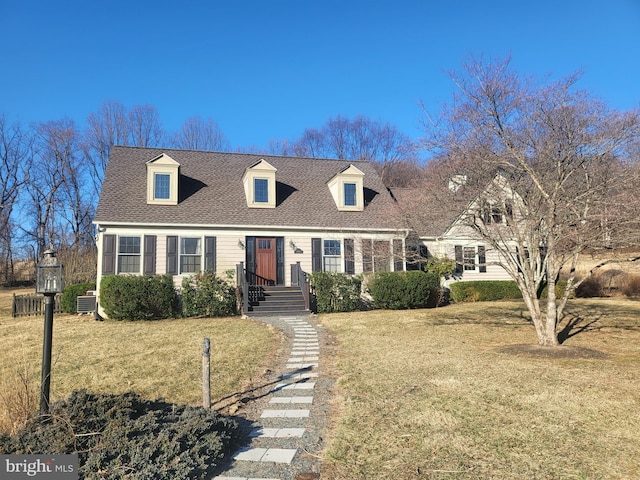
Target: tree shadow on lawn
234, 401
577, 321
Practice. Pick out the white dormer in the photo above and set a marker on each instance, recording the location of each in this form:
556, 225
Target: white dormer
162, 180
347, 189
259, 182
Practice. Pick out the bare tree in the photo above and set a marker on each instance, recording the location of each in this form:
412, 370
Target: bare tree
199, 134
145, 127
107, 127
15, 151
393, 153
547, 166
55, 151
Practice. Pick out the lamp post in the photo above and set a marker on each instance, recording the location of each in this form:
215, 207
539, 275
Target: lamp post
49, 281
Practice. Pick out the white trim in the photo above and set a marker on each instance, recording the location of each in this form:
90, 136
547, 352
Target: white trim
244, 228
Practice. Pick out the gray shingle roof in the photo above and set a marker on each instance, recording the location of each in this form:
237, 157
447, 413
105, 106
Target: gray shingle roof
211, 192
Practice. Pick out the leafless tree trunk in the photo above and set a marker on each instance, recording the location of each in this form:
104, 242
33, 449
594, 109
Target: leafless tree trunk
545, 165
15, 150
107, 127
54, 156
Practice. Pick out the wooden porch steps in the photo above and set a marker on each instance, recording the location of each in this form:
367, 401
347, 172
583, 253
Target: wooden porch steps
279, 300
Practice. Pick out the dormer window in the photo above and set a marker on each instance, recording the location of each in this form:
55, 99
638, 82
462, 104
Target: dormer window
347, 189
350, 195
162, 180
259, 182
261, 190
162, 188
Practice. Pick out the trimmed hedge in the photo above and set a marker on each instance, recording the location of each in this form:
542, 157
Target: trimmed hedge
135, 297
490, 290
484, 291
404, 290
125, 436
204, 294
68, 301
336, 292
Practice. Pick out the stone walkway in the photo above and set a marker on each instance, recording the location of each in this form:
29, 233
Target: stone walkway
286, 432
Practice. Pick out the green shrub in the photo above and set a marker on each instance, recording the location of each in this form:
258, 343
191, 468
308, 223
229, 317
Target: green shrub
403, 290
68, 300
336, 292
204, 294
135, 297
489, 290
125, 436
484, 290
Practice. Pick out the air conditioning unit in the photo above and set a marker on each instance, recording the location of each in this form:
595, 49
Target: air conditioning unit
86, 303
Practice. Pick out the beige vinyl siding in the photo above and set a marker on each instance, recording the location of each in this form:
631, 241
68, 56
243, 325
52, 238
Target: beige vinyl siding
228, 252
161, 254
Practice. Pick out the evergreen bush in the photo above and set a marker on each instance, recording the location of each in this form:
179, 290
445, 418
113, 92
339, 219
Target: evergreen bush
484, 291
204, 294
336, 292
68, 301
135, 297
490, 290
404, 290
125, 436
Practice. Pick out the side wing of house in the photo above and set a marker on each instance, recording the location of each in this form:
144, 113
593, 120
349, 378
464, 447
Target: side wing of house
474, 256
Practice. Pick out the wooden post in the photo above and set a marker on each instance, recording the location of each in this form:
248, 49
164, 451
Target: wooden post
206, 374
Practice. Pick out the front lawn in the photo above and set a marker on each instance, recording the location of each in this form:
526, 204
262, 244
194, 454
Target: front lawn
451, 393
155, 359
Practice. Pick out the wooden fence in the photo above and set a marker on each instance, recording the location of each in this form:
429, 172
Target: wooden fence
24, 305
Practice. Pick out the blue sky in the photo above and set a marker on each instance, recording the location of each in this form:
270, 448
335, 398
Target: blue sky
269, 69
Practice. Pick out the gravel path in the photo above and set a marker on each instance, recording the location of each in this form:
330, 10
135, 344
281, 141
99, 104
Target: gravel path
286, 415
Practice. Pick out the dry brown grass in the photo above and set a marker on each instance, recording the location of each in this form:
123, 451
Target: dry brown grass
161, 359
439, 394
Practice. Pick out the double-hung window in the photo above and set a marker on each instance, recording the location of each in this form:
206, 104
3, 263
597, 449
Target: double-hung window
350, 195
331, 256
469, 258
190, 255
129, 255
260, 190
162, 186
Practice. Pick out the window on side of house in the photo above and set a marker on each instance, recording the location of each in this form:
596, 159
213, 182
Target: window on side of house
260, 190
129, 255
190, 255
497, 213
381, 256
331, 255
469, 258
350, 195
162, 186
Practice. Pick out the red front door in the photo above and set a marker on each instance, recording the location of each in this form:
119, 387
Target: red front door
266, 258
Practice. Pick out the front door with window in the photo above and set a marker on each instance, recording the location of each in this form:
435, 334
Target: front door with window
266, 258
